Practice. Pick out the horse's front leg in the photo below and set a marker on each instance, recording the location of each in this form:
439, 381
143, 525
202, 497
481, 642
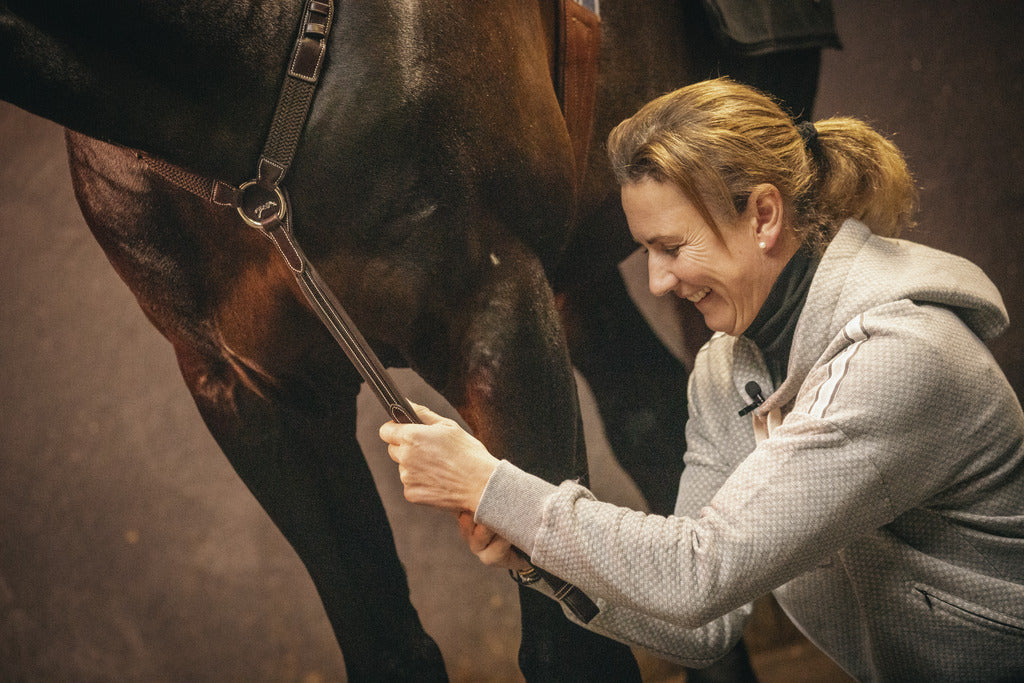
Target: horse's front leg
638, 385
275, 391
293, 444
508, 374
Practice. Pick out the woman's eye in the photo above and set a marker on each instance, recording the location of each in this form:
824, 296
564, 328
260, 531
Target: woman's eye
659, 249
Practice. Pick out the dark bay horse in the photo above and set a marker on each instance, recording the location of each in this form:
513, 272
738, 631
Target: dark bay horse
435, 188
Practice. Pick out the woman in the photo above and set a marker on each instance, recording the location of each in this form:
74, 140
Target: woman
852, 446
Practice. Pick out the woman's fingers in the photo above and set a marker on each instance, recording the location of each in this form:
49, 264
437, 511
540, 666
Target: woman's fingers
404, 434
477, 536
440, 464
488, 546
496, 552
394, 434
466, 524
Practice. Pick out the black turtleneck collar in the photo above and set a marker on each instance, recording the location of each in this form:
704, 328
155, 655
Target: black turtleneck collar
772, 329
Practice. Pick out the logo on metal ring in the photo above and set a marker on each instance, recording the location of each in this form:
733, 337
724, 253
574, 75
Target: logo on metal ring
259, 206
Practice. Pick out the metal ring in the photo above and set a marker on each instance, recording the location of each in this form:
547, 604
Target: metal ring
281, 206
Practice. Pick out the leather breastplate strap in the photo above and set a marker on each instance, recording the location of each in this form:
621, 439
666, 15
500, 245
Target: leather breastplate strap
263, 204
574, 74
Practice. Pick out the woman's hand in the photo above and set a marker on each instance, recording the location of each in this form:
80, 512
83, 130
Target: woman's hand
439, 463
490, 548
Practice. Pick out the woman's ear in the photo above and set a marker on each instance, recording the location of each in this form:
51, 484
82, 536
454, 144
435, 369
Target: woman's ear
765, 213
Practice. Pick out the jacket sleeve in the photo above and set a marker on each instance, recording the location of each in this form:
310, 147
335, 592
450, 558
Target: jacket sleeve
694, 648
873, 433
513, 500
519, 498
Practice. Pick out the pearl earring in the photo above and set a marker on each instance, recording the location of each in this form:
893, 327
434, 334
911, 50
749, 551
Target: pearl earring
761, 244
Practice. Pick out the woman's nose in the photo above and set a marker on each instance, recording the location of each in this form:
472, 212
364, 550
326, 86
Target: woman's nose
659, 278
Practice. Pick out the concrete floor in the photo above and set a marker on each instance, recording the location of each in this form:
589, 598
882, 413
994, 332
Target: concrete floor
129, 550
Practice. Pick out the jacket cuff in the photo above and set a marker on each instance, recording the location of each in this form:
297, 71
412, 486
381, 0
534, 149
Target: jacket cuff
513, 505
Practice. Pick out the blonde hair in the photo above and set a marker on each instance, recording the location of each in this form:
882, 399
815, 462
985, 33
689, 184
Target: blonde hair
717, 140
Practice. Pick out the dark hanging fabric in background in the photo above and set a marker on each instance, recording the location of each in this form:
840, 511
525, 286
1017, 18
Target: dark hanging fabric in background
771, 45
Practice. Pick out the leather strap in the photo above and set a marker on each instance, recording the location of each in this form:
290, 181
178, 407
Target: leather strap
296, 92
209, 189
579, 42
293, 103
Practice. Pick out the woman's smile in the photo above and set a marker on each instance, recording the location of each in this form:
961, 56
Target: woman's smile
699, 295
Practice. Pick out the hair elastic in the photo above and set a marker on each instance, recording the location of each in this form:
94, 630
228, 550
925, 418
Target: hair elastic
809, 134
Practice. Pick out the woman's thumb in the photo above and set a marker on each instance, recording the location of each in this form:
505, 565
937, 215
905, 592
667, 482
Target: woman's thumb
425, 414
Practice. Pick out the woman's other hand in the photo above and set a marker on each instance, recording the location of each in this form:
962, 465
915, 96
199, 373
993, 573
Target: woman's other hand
439, 463
490, 548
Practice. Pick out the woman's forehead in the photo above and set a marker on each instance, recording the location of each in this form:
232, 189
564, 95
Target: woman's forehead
657, 203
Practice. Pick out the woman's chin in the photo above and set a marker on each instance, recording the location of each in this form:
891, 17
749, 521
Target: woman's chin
715, 320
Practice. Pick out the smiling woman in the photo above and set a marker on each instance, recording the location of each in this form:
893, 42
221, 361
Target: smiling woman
823, 490
739, 202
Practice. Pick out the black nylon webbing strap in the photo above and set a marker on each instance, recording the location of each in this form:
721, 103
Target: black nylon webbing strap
263, 204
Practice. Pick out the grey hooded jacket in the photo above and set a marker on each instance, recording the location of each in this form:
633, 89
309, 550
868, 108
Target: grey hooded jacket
883, 507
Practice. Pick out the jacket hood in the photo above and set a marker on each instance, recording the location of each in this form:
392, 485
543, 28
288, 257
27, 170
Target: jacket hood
860, 271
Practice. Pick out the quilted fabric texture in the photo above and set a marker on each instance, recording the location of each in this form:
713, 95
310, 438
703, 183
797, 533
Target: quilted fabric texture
884, 510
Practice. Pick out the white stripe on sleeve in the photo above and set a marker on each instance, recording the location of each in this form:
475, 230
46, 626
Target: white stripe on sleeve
839, 366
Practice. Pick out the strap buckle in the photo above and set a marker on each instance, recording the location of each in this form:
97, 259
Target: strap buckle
261, 207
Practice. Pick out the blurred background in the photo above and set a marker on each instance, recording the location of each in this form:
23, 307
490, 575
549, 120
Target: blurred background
129, 549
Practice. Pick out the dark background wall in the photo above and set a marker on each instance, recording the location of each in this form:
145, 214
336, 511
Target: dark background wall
129, 550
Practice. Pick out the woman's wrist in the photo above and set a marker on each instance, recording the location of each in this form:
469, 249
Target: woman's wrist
513, 505
478, 482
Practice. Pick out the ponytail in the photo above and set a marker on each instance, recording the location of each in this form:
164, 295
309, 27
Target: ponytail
866, 178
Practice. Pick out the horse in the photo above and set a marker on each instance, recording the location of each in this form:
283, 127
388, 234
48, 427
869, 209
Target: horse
436, 188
